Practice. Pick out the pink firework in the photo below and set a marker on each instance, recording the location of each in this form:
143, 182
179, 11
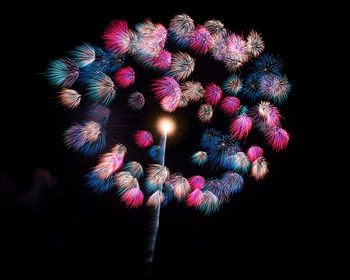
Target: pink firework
273, 116
116, 36
237, 48
124, 77
201, 40
229, 105
240, 127
195, 198
166, 86
254, 152
213, 94
196, 182
167, 89
170, 103
162, 61
143, 138
277, 138
132, 198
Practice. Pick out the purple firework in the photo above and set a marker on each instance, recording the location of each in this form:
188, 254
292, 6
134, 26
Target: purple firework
136, 100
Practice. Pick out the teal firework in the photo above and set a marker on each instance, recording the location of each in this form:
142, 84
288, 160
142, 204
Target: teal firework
267, 64
199, 158
232, 85
210, 137
62, 72
101, 90
135, 169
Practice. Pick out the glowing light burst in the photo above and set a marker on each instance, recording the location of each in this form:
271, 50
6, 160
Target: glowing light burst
248, 98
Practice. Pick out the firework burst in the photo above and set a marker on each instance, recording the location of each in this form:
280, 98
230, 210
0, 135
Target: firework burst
209, 203
143, 138
182, 65
277, 138
199, 158
90, 78
212, 94
116, 36
69, 98
136, 100
84, 55
241, 126
205, 113
180, 29
230, 105
201, 40
124, 77
255, 43
62, 72
193, 91
259, 168
232, 85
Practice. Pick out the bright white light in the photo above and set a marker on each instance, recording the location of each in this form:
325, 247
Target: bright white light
166, 125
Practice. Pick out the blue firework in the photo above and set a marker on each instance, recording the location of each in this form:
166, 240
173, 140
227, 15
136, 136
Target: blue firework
251, 87
221, 191
97, 184
95, 147
232, 181
107, 62
155, 153
267, 64
221, 155
210, 137
168, 192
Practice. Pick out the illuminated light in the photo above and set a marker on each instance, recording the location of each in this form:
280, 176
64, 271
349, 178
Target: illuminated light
166, 125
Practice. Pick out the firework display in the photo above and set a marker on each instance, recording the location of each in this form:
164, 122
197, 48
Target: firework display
248, 97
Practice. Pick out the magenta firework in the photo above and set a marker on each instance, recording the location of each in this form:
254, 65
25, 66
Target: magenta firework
248, 98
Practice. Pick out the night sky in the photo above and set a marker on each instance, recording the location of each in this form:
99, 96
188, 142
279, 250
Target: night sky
52, 225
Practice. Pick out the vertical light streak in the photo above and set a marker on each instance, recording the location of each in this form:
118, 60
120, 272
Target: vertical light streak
155, 221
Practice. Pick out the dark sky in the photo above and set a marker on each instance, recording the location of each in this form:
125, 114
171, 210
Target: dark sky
46, 208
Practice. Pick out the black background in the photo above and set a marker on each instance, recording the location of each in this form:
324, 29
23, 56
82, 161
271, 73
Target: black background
68, 231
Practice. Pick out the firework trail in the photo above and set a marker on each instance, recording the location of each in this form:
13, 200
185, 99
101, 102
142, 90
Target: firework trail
156, 200
249, 98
